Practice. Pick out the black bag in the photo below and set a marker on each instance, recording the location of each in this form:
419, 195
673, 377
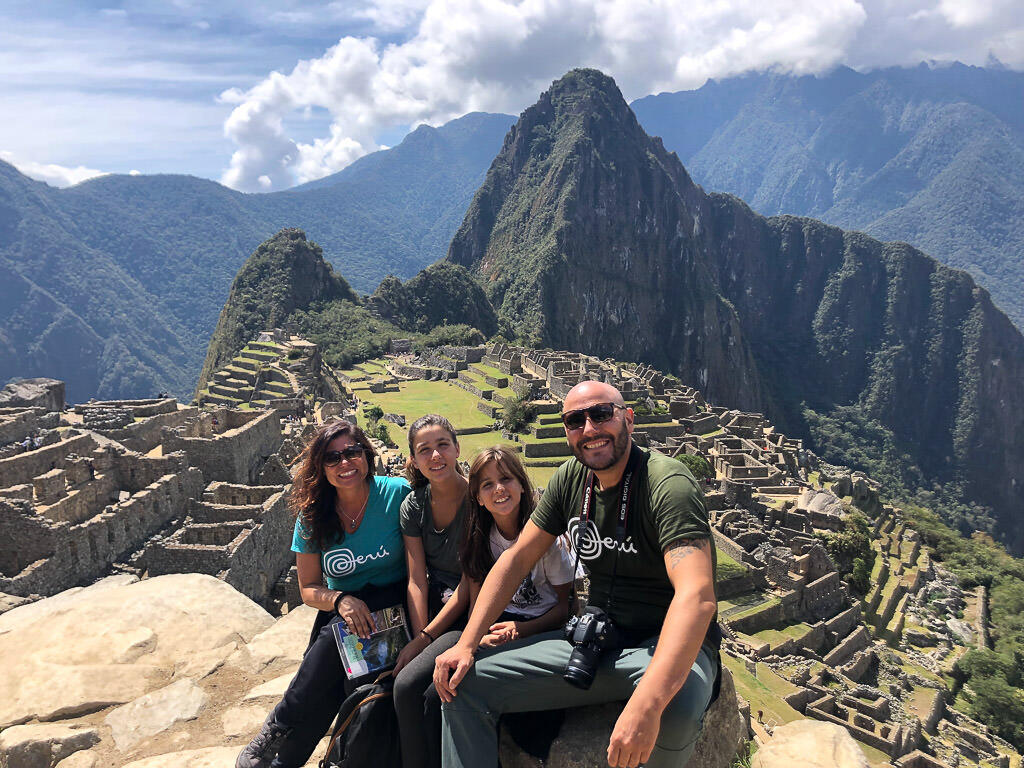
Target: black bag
366, 731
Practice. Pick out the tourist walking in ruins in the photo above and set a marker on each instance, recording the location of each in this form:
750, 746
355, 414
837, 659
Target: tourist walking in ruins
433, 523
350, 561
500, 502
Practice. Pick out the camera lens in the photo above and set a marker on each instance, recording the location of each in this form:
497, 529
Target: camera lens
582, 666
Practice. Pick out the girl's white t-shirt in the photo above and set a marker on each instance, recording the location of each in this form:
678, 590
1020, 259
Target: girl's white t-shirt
536, 595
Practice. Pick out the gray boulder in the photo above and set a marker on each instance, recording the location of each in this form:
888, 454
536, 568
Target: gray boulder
584, 737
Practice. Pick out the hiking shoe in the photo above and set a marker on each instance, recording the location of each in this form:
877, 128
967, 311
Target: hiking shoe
262, 749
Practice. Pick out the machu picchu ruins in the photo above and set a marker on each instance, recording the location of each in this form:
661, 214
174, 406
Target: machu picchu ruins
151, 487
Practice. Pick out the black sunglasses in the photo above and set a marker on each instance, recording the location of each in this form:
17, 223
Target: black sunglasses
598, 414
333, 458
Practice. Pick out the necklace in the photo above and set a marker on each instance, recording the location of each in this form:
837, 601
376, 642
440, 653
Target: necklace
354, 520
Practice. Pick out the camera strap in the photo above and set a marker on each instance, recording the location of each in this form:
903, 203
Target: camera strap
625, 502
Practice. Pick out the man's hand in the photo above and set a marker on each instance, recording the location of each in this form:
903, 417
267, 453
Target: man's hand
634, 735
500, 633
449, 669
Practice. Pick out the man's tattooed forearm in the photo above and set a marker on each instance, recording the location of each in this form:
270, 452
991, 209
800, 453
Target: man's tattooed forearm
679, 550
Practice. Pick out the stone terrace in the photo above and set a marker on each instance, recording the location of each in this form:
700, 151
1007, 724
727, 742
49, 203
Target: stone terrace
239, 533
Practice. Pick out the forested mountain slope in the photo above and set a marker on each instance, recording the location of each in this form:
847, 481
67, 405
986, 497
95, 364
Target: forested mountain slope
115, 284
933, 156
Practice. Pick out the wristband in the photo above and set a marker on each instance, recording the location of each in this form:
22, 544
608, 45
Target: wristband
424, 632
338, 600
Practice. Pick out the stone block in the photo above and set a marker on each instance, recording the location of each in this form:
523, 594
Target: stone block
810, 744
42, 745
584, 737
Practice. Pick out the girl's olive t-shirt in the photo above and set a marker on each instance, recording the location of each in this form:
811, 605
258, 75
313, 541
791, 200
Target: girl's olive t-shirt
440, 547
374, 554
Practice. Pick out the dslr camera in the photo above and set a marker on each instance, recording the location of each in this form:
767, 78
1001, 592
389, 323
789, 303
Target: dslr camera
591, 634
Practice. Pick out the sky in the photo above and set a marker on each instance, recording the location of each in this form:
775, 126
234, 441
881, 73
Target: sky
263, 95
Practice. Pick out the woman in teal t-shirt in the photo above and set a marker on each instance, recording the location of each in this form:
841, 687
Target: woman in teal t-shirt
350, 561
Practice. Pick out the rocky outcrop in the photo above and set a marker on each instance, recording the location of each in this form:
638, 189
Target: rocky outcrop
583, 740
284, 274
33, 393
201, 666
87, 649
42, 745
810, 744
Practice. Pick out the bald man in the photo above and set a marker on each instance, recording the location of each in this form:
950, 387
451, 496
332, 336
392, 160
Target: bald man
638, 522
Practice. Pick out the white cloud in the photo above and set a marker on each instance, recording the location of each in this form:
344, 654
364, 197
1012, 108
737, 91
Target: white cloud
53, 174
389, 15
498, 55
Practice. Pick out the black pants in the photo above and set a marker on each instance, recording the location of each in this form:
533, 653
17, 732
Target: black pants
319, 687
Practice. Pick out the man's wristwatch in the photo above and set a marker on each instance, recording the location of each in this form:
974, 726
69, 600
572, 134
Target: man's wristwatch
338, 600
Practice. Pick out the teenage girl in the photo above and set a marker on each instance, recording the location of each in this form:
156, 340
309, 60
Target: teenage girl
501, 500
433, 523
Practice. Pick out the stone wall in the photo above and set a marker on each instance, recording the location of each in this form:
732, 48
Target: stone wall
143, 436
138, 408
239, 533
20, 469
235, 455
821, 599
52, 556
857, 640
18, 423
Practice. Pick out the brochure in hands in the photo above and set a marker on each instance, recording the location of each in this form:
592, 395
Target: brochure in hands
363, 655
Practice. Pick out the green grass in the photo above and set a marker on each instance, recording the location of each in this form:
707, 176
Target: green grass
776, 637
728, 567
416, 398
752, 602
764, 692
489, 370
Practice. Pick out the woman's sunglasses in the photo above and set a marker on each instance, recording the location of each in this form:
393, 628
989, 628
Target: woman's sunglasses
598, 414
333, 458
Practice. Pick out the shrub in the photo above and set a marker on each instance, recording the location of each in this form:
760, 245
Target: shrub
516, 415
699, 467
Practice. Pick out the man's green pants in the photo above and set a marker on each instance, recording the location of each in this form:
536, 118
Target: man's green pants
526, 676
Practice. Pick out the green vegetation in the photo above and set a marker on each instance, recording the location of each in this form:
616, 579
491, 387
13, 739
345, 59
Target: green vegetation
764, 692
416, 398
516, 415
851, 551
726, 567
848, 437
989, 684
964, 209
287, 280
118, 282
699, 467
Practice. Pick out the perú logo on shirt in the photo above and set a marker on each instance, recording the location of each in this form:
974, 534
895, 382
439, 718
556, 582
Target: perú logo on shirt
591, 545
342, 562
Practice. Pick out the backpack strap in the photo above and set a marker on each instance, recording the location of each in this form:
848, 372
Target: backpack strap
343, 723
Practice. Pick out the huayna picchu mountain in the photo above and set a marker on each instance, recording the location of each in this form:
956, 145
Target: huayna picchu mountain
587, 234
286, 282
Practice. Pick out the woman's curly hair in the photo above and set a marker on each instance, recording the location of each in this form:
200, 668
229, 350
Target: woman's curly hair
313, 497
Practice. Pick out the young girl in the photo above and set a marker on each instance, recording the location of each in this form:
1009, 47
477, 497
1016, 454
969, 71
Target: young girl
433, 522
501, 500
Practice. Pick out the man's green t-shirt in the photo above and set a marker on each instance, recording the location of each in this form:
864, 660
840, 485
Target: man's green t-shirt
667, 505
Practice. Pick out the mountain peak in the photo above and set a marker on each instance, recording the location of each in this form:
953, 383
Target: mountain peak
585, 228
